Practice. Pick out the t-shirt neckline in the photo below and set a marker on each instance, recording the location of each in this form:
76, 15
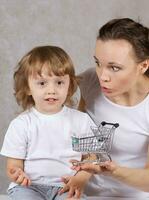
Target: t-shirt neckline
126, 107
48, 115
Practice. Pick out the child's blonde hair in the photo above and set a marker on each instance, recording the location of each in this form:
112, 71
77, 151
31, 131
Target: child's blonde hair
57, 62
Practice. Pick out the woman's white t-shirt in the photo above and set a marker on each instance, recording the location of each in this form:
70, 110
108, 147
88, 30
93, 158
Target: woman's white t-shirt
131, 138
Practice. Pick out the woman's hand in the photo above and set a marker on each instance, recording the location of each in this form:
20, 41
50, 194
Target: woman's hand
95, 168
18, 176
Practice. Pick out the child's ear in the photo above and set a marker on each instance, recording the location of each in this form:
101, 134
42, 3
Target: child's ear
144, 66
29, 92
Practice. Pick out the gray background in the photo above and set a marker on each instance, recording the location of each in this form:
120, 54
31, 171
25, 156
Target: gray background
71, 24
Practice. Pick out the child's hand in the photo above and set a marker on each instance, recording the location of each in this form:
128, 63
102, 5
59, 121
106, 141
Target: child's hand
18, 176
74, 186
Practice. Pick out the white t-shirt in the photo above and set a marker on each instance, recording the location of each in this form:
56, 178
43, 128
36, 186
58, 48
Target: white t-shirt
131, 138
44, 143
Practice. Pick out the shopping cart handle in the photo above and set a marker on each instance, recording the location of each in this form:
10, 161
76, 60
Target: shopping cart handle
106, 123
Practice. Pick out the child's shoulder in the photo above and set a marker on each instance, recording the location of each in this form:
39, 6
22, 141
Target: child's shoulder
79, 119
22, 117
76, 113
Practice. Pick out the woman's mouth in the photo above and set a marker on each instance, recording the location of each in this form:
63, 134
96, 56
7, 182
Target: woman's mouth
106, 90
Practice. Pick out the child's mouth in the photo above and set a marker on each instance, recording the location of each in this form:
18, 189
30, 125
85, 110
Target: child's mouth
51, 100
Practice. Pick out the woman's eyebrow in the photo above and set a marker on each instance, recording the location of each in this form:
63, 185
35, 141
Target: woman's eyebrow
115, 63
95, 58
110, 63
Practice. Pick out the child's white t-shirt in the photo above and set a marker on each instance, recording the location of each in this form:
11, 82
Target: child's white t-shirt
44, 143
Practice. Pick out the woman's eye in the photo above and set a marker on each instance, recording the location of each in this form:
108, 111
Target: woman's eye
97, 63
115, 68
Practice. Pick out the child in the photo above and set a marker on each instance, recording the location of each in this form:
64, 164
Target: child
38, 142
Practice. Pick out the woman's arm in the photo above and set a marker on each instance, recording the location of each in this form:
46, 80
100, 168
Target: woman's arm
15, 171
138, 178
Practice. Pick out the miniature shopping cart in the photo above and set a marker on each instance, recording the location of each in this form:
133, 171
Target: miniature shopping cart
98, 143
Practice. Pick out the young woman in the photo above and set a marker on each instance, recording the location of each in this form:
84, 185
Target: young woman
117, 91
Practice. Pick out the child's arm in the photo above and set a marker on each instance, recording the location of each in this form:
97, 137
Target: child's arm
75, 184
15, 171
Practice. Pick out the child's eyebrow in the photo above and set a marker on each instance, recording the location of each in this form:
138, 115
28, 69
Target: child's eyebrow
38, 76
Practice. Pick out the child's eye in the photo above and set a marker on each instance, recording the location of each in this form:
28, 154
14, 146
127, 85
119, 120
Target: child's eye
60, 82
42, 83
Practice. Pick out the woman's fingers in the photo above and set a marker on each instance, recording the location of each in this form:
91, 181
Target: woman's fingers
91, 168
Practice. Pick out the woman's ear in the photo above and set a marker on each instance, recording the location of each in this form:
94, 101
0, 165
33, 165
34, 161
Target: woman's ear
144, 66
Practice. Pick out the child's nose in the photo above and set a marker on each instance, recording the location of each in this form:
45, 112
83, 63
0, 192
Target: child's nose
51, 89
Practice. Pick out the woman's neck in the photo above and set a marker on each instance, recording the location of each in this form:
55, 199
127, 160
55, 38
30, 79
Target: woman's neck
136, 94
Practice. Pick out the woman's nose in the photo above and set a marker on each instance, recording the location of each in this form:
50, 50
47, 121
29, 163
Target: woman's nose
105, 78
103, 75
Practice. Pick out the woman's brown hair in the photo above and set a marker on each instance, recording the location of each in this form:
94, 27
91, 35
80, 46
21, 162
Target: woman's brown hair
135, 33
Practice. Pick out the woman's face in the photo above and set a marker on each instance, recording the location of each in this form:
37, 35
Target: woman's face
117, 69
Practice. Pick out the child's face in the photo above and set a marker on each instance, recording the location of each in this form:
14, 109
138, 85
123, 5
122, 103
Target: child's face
49, 92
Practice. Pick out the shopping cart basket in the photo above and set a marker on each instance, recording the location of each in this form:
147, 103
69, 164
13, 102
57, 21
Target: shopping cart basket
99, 143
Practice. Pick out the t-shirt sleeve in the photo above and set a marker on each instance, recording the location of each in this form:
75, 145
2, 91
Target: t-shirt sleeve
15, 140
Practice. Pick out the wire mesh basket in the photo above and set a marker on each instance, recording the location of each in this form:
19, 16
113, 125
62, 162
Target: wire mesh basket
98, 143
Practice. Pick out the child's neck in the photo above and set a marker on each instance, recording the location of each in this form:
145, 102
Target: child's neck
50, 111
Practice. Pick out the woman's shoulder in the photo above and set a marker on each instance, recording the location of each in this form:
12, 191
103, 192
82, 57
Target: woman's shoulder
88, 74
89, 83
